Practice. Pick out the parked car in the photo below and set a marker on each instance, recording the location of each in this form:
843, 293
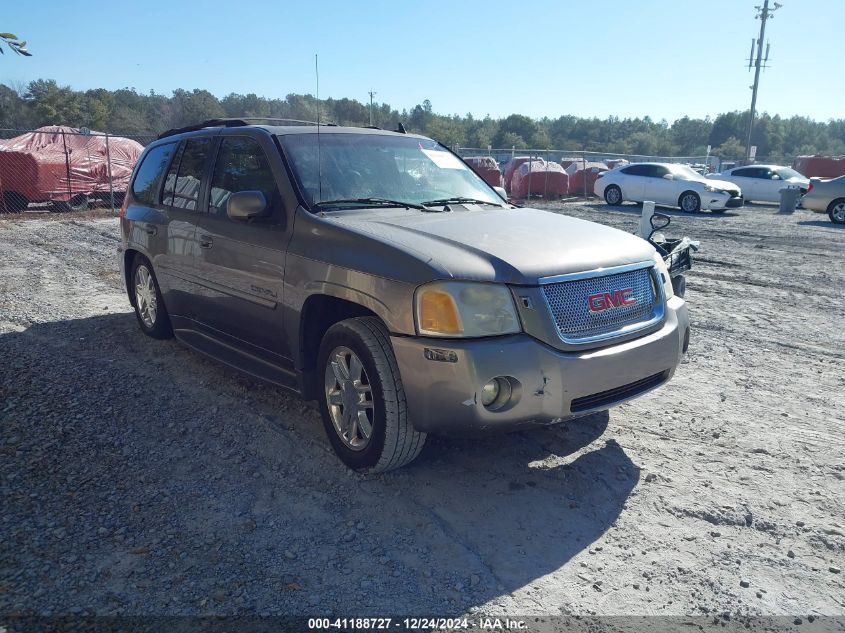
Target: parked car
667, 184
762, 183
406, 304
65, 167
826, 196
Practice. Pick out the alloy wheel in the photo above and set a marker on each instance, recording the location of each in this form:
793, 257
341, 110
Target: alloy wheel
145, 296
349, 397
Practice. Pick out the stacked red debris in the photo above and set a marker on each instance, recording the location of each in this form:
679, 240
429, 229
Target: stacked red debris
58, 163
820, 166
487, 168
539, 178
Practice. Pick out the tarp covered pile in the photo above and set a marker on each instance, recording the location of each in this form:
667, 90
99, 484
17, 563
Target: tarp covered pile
487, 168
539, 178
58, 162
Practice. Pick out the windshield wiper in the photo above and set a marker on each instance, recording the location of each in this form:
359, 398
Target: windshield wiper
382, 202
459, 200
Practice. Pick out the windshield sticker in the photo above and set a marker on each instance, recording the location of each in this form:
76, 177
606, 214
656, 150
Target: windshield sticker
444, 160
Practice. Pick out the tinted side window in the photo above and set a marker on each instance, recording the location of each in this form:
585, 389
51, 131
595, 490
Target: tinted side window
241, 166
186, 187
635, 170
145, 185
742, 173
657, 171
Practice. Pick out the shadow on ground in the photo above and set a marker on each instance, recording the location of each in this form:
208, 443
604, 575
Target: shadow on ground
141, 478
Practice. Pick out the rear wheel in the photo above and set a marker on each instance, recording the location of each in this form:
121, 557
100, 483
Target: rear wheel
363, 404
149, 305
613, 195
689, 202
13, 202
836, 211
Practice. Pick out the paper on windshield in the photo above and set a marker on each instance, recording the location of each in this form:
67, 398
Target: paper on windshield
444, 160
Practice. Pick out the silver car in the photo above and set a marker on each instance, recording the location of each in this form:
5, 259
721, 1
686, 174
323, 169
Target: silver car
375, 272
827, 196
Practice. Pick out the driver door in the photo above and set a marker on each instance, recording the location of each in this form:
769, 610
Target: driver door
242, 262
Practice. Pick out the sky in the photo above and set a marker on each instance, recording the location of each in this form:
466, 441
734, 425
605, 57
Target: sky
627, 58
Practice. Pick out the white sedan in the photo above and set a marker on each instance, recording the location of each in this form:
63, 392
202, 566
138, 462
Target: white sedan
667, 184
763, 182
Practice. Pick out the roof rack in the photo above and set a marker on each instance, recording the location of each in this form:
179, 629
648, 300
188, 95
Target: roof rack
236, 122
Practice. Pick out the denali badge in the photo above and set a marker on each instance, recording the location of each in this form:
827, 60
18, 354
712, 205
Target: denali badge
607, 300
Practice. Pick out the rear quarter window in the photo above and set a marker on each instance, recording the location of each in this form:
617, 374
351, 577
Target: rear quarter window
150, 173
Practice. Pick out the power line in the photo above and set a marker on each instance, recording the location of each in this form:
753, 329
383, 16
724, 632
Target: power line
763, 14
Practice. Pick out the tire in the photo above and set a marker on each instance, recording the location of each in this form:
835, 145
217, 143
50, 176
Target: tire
14, 202
613, 195
145, 290
690, 202
375, 389
836, 211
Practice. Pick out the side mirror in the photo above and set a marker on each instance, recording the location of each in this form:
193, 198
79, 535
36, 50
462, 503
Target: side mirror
668, 177
246, 205
501, 191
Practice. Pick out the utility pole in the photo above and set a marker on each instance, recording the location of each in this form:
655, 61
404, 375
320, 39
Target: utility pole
373, 94
763, 14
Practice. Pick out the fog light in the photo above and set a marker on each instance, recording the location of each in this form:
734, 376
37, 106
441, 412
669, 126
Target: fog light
490, 392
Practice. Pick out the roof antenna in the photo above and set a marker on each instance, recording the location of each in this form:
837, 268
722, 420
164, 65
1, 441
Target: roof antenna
319, 109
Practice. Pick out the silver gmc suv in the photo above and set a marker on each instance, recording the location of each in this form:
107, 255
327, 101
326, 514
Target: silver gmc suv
375, 272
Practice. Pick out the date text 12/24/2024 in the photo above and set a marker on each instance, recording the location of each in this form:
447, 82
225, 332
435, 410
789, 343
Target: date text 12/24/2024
416, 624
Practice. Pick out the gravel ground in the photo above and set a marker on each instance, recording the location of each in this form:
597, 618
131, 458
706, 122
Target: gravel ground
139, 478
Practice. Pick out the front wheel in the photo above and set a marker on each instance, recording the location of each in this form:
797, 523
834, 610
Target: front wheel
690, 202
363, 404
613, 195
836, 211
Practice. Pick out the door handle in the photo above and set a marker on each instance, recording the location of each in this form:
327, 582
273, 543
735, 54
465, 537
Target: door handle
151, 230
206, 241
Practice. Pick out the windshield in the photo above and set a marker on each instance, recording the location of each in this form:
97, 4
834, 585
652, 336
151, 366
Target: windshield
686, 173
356, 168
786, 173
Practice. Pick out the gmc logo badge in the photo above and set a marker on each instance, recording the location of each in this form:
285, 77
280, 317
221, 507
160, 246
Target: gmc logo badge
607, 300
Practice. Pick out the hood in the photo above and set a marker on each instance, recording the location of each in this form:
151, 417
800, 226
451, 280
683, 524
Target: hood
515, 246
721, 184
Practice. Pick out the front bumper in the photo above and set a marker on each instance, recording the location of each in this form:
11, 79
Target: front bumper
445, 397
716, 200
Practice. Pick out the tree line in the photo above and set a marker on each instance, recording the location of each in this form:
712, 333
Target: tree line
126, 111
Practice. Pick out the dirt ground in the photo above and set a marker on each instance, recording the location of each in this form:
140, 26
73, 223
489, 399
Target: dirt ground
139, 478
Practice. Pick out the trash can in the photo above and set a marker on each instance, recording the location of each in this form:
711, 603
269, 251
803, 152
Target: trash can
789, 199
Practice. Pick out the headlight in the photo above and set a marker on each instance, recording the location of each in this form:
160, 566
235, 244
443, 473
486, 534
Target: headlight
664, 276
464, 309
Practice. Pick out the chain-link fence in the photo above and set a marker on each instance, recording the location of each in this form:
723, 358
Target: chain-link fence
527, 173
58, 168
